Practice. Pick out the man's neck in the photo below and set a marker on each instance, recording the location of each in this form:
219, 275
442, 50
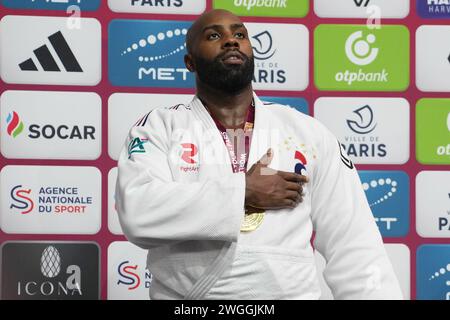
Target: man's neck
229, 109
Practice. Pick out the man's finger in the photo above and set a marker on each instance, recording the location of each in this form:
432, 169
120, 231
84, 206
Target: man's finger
294, 186
292, 195
300, 197
288, 203
266, 158
293, 177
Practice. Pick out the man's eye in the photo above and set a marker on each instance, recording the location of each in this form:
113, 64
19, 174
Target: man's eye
213, 36
240, 35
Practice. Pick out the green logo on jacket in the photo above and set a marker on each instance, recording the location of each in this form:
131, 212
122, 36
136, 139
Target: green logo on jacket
136, 145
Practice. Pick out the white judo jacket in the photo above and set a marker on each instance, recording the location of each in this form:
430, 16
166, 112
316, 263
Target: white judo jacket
178, 197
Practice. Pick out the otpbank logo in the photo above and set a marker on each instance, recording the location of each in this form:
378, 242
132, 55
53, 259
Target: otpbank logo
358, 58
264, 8
434, 8
433, 131
388, 195
148, 54
298, 104
84, 5
433, 272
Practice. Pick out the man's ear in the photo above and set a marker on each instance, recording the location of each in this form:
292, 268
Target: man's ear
188, 61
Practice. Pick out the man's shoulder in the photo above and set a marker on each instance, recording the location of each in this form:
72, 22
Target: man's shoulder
161, 114
289, 113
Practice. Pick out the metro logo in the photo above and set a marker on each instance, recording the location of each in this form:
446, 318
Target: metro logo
433, 272
148, 53
353, 57
388, 195
265, 8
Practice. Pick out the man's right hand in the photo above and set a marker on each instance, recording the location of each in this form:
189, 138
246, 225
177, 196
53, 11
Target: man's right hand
267, 188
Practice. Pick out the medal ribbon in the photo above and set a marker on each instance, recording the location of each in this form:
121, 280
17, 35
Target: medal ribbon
238, 156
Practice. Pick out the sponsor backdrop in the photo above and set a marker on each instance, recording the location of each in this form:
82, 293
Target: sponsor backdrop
77, 74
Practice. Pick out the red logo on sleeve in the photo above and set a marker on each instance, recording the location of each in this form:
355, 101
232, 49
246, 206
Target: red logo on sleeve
190, 150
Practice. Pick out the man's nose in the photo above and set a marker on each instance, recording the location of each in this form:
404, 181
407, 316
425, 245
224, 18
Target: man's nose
230, 42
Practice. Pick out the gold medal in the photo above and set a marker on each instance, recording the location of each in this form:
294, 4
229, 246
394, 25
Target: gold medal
252, 221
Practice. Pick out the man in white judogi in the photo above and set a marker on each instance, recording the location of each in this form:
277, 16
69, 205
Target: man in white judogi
226, 192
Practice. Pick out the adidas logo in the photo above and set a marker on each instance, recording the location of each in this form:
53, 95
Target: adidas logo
360, 3
47, 60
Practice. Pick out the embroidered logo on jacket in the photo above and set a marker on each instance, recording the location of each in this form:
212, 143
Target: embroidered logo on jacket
302, 152
300, 168
189, 152
136, 146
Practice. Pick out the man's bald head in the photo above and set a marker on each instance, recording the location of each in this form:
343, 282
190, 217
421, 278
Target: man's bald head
206, 19
220, 52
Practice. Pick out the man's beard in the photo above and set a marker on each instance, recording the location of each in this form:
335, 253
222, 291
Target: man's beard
229, 78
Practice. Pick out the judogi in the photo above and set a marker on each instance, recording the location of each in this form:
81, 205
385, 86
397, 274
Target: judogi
178, 197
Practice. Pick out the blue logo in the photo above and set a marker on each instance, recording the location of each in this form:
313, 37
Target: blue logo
363, 121
433, 272
262, 48
388, 195
148, 54
434, 8
83, 5
298, 104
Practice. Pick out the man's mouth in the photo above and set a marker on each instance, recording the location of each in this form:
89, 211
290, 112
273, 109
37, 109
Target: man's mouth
233, 58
